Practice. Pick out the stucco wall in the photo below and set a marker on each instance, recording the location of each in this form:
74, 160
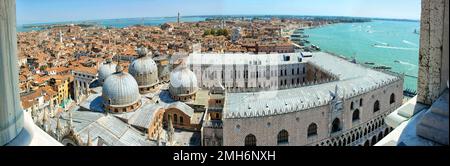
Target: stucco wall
296, 123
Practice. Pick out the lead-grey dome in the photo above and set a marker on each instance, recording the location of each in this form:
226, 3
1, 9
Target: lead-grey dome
105, 70
120, 90
144, 70
183, 82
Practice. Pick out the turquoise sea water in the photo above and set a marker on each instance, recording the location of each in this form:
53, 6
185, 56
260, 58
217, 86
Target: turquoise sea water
389, 43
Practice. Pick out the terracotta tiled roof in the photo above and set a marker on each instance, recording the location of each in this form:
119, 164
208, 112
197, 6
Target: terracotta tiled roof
89, 70
40, 80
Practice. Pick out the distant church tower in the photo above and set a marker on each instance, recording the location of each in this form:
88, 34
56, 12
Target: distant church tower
60, 36
178, 18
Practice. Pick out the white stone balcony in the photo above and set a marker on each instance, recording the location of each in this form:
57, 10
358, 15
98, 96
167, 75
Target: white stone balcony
413, 121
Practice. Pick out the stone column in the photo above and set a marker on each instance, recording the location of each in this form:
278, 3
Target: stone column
11, 114
433, 71
433, 53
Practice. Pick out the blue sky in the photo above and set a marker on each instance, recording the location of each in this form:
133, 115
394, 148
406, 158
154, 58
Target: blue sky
41, 11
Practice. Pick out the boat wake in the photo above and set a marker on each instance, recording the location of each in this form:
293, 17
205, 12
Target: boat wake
405, 63
410, 43
395, 48
382, 43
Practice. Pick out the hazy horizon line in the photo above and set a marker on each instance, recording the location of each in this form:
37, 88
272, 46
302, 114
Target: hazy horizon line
214, 15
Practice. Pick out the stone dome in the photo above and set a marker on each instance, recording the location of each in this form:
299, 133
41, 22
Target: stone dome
105, 70
120, 92
145, 71
183, 84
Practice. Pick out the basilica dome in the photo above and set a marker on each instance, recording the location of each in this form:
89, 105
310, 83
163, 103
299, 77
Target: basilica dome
120, 92
183, 84
105, 70
145, 71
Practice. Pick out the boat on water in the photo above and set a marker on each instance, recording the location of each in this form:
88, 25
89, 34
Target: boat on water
397, 61
384, 44
382, 67
369, 63
315, 47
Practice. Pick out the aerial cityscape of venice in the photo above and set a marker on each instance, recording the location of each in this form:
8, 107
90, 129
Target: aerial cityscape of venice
225, 73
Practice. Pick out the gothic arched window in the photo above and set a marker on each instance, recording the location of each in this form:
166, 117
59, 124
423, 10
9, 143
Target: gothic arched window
376, 106
336, 125
250, 140
392, 99
283, 137
312, 129
355, 115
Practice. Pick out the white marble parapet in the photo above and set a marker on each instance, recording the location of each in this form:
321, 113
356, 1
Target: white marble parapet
404, 113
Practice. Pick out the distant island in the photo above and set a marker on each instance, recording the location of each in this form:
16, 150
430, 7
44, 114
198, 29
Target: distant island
96, 23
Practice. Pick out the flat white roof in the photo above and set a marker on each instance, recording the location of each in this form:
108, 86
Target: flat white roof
353, 80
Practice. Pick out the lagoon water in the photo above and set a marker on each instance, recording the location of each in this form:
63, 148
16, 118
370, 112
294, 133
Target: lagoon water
389, 43
120, 23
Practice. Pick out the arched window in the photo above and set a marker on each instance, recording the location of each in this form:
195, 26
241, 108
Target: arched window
250, 140
336, 126
355, 115
392, 100
181, 119
374, 140
380, 135
376, 106
361, 102
352, 106
367, 143
312, 129
175, 118
283, 137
